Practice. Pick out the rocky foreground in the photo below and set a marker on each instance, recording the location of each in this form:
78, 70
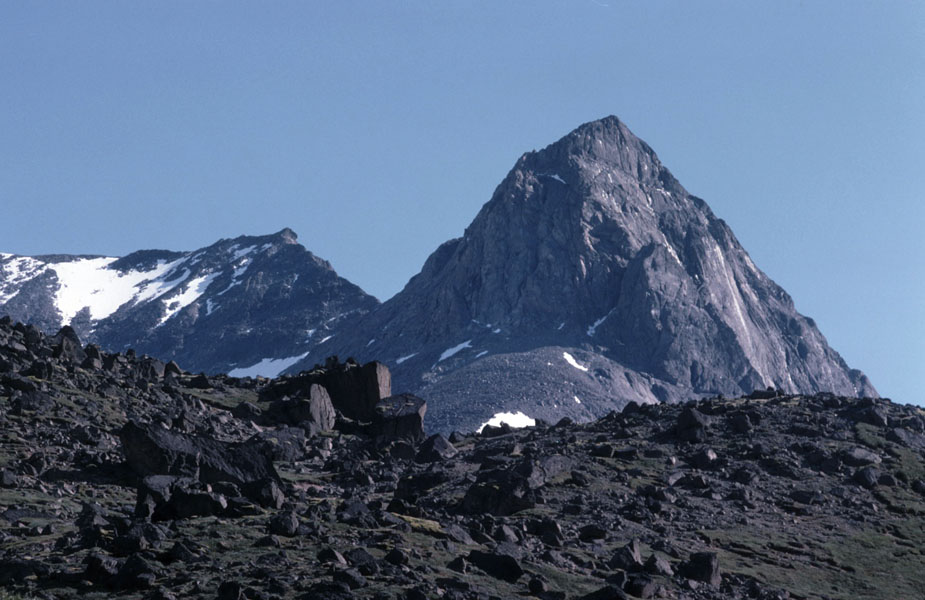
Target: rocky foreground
123, 475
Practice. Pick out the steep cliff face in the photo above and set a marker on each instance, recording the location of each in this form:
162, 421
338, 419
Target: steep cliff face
590, 279
252, 300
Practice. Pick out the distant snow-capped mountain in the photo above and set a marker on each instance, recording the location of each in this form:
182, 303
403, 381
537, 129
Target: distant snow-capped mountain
250, 305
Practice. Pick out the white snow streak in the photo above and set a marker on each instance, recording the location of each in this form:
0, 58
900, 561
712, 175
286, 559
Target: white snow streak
451, 351
268, 367
571, 360
406, 357
194, 289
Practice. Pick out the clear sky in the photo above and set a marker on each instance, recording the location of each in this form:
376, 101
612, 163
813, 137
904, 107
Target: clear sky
377, 129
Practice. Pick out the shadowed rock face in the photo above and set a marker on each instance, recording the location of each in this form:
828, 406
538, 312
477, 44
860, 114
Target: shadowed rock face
590, 246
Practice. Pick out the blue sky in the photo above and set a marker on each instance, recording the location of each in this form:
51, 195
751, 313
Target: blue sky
376, 130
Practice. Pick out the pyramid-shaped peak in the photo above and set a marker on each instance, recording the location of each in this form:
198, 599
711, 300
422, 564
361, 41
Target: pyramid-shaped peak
603, 146
287, 236
600, 138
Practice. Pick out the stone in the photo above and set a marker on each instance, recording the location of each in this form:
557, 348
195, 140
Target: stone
501, 566
658, 565
592, 532
159, 451
608, 592
691, 425
329, 555
859, 457
702, 566
312, 411
628, 557
363, 561
231, 590
247, 411
67, 346
641, 586
351, 577
397, 557
399, 417
867, 477
434, 449
167, 497
285, 524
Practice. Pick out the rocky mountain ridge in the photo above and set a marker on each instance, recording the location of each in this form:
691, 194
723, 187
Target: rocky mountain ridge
590, 279
120, 474
257, 302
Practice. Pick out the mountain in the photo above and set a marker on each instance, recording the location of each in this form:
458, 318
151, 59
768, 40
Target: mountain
120, 475
591, 278
249, 305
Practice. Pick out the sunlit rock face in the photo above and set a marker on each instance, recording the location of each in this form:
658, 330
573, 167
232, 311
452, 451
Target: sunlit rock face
590, 279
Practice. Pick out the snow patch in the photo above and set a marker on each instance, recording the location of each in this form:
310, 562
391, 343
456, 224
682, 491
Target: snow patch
158, 286
516, 420
553, 176
451, 351
242, 252
481, 354
571, 360
406, 357
324, 339
90, 283
561, 325
576, 399
498, 330
17, 271
370, 342
194, 289
268, 367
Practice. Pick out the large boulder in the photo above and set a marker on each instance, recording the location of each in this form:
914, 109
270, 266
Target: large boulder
157, 451
313, 411
164, 497
399, 417
67, 346
354, 390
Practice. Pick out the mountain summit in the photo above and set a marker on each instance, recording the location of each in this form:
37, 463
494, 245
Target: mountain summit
590, 279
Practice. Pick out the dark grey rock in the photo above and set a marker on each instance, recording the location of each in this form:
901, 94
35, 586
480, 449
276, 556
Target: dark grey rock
502, 566
702, 566
159, 451
434, 449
